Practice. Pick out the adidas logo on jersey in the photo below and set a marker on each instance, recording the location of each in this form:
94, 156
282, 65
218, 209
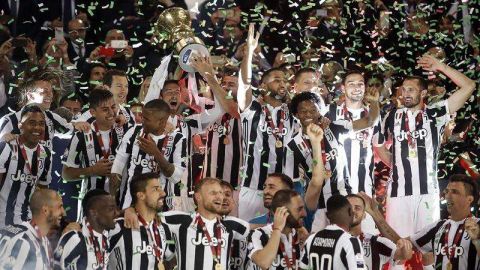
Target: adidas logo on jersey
446, 250
266, 128
203, 240
25, 178
422, 133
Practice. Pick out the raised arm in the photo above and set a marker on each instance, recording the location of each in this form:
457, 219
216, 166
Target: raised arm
466, 85
205, 68
244, 94
315, 133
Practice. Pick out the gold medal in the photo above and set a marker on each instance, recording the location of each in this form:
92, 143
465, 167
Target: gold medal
218, 266
160, 266
226, 140
278, 144
412, 153
449, 265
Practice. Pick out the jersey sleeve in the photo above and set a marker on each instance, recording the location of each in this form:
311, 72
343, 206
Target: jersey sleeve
351, 254
239, 227
73, 155
253, 108
439, 112
70, 253
385, 248
5, 152
386, 128
5, 125
378, 138
60, 124
254, 242
115, 235
423, 240
122, 155
17, 252
179, 158
304, 255
169, 244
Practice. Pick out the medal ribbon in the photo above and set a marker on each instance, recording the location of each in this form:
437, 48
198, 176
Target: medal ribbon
217, 250
25, 157
294, 253
456, 239
268, 118
418, 119
155, 240
100, 253
348, 116
225, 123
105, 153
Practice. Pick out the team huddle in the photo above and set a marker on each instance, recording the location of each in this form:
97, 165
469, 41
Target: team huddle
287, 180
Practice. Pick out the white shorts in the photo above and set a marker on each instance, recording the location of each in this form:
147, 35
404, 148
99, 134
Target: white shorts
250, 203
408, 215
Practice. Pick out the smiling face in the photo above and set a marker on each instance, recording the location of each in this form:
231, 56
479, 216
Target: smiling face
458, 200
32, 127
271, 186
105, 113
55, 211
210, 197
41, 95
358, 209
228, 202
119, 89
307, 113
412, 94
276, 85
354, 87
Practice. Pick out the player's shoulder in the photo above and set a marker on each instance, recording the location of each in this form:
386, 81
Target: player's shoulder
13, 231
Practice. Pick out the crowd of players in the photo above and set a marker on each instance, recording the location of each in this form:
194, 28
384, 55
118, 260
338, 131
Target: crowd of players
263, 170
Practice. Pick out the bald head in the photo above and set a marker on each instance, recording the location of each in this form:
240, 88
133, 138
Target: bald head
41, 198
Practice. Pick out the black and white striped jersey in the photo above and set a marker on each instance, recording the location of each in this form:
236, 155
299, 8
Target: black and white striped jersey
377, 251
298, 162
332, 249
258, 239
223, 155
54, 123
21, 249
85, 149
20, 178
260, 155
130, 160
238, 258
135, 249
357, 146
449, 242
82, 250
189, 126
416, 142
193, 248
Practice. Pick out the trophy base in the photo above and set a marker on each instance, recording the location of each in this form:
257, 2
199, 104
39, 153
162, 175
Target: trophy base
186, 53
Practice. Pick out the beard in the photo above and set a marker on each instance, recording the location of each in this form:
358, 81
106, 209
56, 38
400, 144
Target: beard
293, 222
155, 206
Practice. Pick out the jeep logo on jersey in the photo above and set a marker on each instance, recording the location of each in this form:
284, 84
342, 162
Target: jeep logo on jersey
235, 262
204, 241
148, 249
25, 178
446, 250
359, 135
144, 163
280, 261
216, 127
422, 133
332, 154
265, 128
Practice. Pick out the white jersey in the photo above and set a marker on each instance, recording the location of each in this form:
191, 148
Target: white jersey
193, 249
449, 242
332, 249
260, 136
173, 147
416, 143
21, 249
20, 179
